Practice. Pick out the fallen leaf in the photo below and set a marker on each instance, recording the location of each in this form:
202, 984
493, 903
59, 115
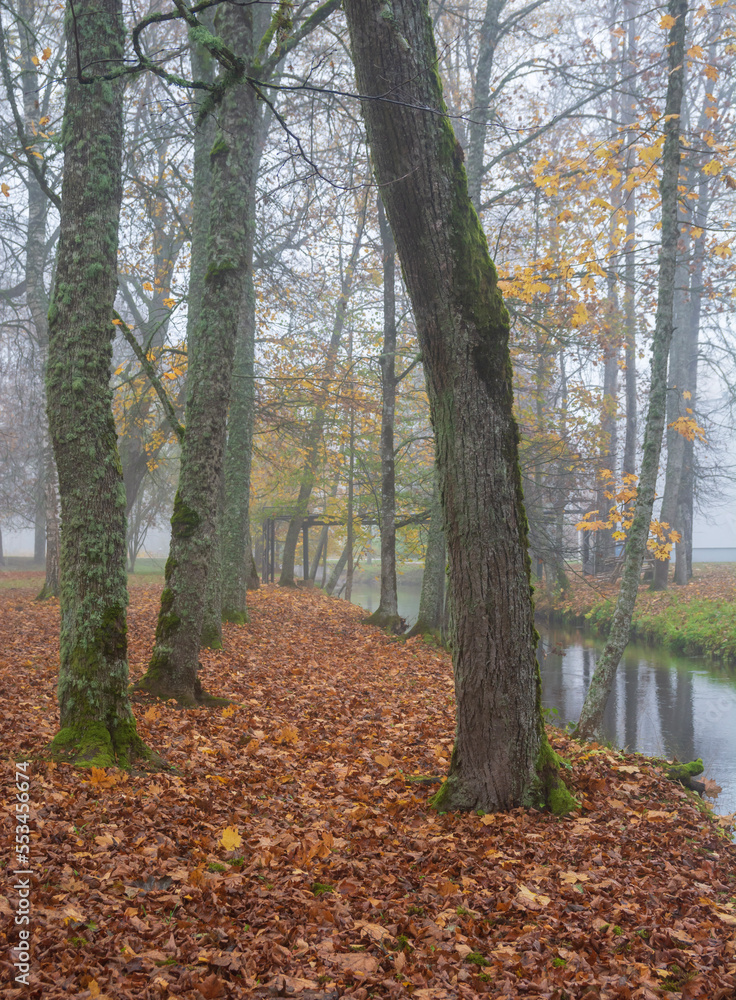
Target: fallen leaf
230, 838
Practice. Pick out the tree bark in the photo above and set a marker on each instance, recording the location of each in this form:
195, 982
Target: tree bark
591, 718
236, 538
386, 614
501, 758
430, 620
97, 724
172, 671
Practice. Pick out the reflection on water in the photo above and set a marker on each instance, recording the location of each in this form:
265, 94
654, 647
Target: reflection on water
368, 596
660, 705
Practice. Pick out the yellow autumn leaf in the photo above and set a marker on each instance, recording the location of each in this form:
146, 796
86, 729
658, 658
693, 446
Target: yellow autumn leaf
694, 52
527, 896
169, 303
667, 21
147, 286
287, 734
5, 190
230, 838
711, 168
35, 60
580, 316
46, 54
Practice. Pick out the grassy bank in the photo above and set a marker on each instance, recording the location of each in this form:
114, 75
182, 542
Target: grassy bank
696, 620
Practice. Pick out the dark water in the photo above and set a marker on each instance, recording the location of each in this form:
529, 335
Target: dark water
662, 705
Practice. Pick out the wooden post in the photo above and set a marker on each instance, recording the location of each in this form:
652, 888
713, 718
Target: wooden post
273, 550
305, 547
264, 553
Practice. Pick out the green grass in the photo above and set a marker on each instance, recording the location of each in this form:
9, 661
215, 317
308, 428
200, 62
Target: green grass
696, 627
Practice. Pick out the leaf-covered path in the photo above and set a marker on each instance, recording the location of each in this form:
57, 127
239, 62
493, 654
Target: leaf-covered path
289, 853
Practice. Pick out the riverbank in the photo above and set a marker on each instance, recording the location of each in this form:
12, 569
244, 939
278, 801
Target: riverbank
697, 620
291, 852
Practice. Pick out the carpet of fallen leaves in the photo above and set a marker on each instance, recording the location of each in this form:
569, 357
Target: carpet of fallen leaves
290, 853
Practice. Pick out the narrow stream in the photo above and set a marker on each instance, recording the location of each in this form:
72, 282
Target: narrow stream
662, 705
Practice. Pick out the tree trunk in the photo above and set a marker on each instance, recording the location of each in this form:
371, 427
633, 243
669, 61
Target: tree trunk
337, 570
432, 599
97, 724
172, 672
314, 434
628, 466
46, 543
53, 529
236, 540
678, 403
591, 718
501, 758
481, 111
386, 614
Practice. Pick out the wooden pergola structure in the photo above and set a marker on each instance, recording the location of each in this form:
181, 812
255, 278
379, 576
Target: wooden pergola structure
268, 563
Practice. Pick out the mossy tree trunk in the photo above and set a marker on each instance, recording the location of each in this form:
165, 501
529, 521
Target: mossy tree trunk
97, 724
501, 758
386, 614
432, 598
239, 573
172, 671
591, 717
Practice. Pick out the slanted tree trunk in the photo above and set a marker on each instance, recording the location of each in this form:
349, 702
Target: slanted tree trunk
591, 718
432, 599
501, 758
97, 724
172, 671
337, 571
386, 614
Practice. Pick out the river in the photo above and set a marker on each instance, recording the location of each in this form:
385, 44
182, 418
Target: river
662, 705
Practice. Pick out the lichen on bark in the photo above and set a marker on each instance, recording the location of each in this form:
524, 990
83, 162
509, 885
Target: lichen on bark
97, 722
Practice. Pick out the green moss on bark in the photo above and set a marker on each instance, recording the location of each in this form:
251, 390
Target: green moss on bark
234, 617
184, 520
94, 745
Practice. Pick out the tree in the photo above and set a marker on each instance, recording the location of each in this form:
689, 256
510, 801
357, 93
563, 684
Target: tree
387, 613
501, 758
172, 671
97, 723
591, 717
